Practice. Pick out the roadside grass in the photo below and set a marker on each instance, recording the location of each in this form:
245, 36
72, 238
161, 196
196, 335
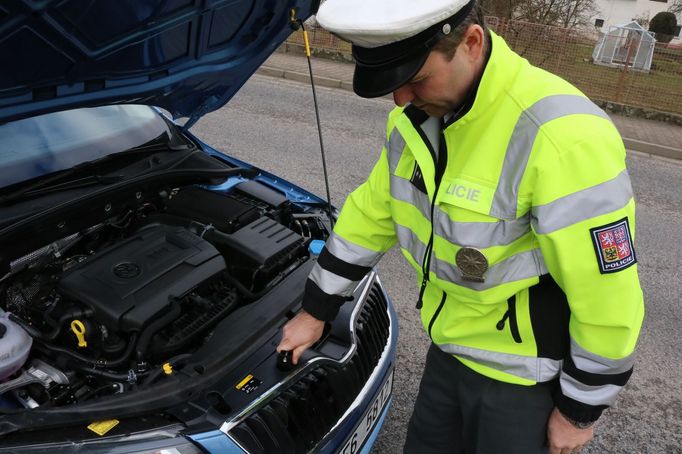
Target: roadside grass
659, 89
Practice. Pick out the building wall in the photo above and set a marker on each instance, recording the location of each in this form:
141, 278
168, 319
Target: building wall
617, 12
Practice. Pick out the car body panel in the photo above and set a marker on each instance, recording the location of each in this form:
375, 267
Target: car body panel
293, 192
186, 56
217, 442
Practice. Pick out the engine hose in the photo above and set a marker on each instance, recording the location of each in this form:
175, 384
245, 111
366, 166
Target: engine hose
47, 337
31, 330
132, 342
245, 291
109, 375
174, 361
71, 315
172, 313
97, 363
94, 392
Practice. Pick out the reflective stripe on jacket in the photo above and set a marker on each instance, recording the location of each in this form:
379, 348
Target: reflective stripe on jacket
528, 175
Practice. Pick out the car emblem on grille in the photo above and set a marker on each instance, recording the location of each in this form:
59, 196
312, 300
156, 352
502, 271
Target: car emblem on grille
472, 264
127, 270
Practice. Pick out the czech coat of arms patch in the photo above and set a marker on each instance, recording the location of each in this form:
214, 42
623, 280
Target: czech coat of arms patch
613, 245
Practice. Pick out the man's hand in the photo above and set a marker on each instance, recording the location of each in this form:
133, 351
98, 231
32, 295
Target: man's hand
300, 333
563, 437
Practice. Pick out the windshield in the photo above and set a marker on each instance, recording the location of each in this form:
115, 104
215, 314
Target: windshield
48, 143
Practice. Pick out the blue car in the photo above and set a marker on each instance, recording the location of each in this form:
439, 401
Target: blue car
145, 277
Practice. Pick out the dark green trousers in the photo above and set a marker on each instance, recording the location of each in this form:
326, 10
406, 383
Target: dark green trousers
461, 411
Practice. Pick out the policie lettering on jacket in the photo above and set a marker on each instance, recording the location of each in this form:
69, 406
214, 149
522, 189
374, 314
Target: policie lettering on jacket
463, 192
551, 212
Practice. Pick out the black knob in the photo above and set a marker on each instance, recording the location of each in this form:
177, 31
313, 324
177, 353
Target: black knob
285, 361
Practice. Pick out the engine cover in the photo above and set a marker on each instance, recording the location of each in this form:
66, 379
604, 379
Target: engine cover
128, 284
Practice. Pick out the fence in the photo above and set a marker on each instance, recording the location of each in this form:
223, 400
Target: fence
568, 53
322, 42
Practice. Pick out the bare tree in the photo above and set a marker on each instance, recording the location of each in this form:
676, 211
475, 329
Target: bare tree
563, 13
676, 8
503, 9
643, 19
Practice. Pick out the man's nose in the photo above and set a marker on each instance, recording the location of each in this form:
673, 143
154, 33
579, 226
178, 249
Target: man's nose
402, 95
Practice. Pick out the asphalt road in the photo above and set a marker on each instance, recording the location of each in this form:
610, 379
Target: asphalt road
271, 123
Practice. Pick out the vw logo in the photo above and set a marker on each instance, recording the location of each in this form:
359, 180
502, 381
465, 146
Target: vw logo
127, 270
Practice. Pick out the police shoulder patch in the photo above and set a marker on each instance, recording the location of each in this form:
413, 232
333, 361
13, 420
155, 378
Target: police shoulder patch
613, 245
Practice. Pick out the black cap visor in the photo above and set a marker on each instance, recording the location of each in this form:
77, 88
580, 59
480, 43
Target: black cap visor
372, 81
381, 70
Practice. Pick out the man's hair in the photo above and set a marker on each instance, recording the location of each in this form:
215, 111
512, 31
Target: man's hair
449, 43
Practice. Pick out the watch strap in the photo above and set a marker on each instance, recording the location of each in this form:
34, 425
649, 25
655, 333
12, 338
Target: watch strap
578, 424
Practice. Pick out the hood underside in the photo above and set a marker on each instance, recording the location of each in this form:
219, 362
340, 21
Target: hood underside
188, 57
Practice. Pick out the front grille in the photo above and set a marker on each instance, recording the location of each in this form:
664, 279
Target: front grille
297, 419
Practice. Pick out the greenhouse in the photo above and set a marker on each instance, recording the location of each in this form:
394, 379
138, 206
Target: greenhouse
628, 43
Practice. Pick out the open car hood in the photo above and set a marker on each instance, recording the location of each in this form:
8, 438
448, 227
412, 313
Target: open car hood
188, 57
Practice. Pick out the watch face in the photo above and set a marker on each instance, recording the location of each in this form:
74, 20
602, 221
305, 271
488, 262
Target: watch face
582, 425
578, 424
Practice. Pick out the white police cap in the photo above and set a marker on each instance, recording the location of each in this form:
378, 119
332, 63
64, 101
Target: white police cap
391, 38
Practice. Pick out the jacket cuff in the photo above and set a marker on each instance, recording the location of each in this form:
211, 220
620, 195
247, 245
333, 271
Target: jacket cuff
578, 411
319, 304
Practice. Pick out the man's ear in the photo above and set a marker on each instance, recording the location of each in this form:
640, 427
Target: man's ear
473, 41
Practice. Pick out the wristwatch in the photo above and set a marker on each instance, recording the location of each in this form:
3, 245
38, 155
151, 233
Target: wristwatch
578, 424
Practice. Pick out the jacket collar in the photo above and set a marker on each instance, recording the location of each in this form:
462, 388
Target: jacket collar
502, 66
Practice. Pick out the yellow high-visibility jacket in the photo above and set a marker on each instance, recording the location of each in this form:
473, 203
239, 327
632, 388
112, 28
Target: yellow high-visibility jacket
531, 182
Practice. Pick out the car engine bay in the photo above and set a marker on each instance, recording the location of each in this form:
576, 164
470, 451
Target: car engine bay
114, 307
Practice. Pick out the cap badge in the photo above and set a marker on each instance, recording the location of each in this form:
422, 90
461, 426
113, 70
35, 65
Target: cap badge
472, 264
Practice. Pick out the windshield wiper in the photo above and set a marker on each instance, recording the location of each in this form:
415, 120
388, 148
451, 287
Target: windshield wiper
163, 142
45, 187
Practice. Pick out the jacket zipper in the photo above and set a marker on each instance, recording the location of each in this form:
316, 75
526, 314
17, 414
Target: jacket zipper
426, 263
513, 323
439, 166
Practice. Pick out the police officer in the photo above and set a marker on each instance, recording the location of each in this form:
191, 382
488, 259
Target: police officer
506, 190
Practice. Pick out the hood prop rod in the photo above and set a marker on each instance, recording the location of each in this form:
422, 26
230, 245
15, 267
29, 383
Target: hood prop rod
297, 23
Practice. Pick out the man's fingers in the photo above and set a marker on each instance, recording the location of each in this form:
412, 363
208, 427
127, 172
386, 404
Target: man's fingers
285, 345
299, 334
299, 351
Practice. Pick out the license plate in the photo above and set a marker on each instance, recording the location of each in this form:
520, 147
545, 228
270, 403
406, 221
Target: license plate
354, 443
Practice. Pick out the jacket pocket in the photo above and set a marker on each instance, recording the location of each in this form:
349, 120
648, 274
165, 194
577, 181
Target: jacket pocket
510, 316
